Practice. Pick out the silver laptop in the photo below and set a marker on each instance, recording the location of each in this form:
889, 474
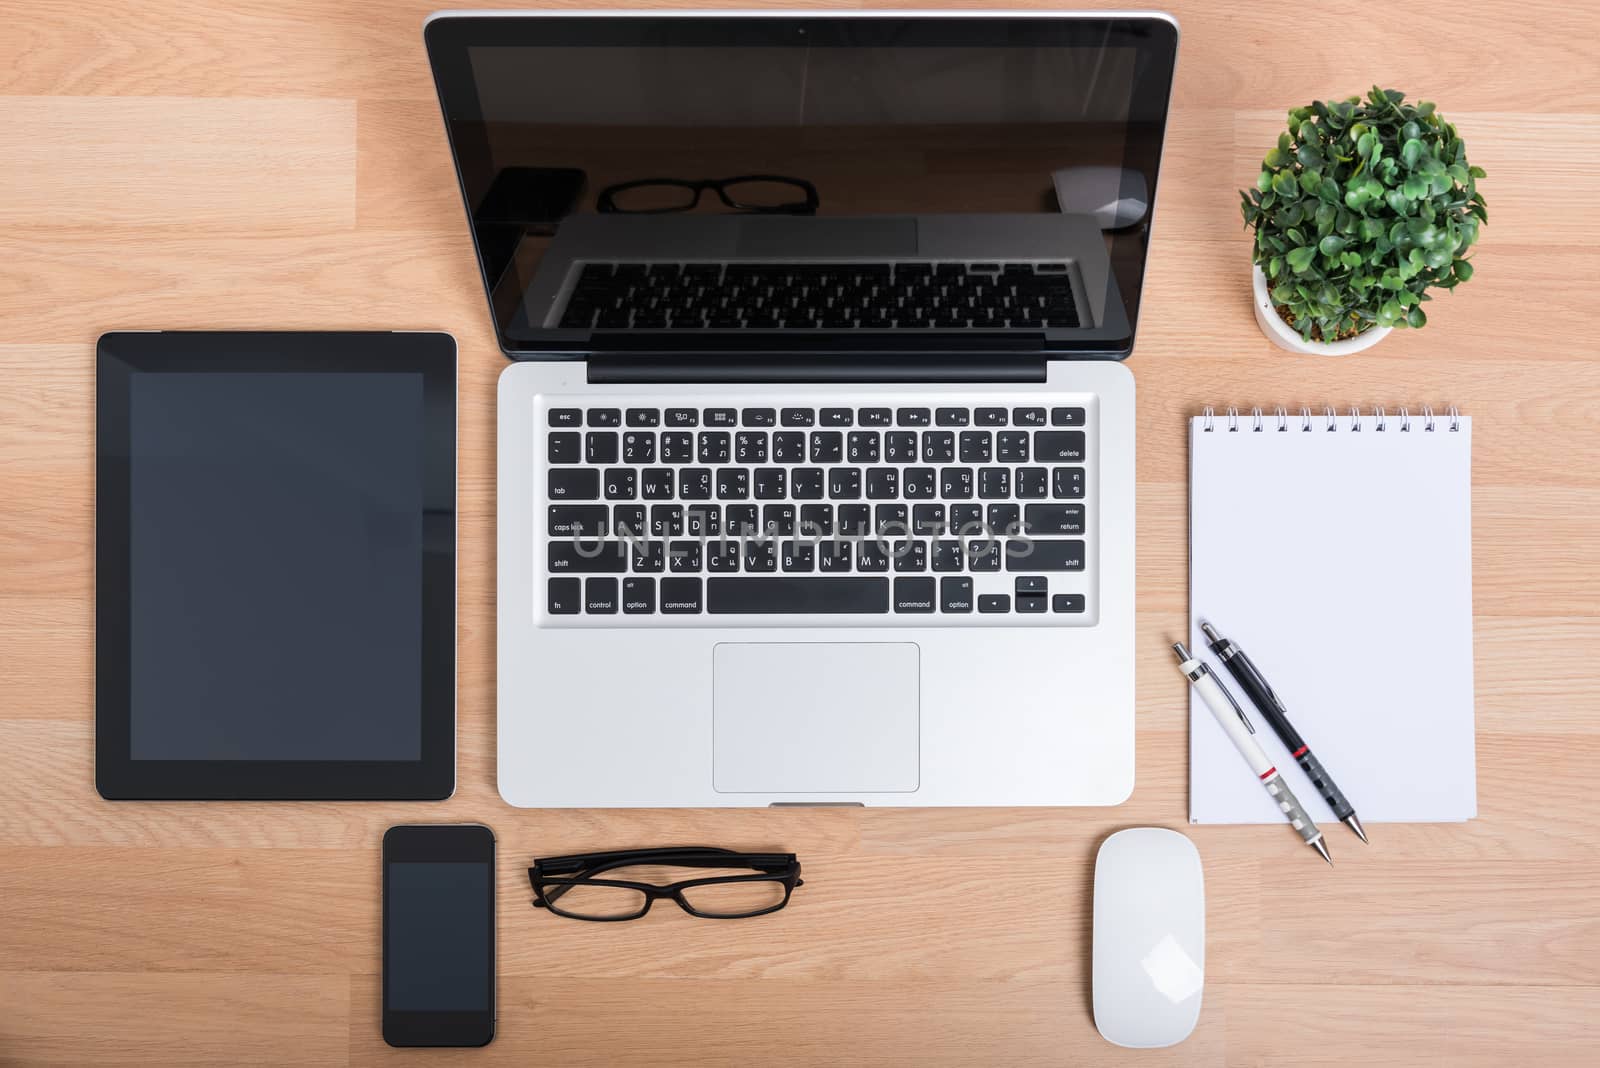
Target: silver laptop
816, 453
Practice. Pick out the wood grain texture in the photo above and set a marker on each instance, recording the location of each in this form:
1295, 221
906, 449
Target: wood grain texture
280, 164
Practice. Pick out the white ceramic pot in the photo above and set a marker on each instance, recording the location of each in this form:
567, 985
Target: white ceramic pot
1286, 337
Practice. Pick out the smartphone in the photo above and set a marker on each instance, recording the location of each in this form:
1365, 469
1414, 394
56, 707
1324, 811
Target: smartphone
438, 935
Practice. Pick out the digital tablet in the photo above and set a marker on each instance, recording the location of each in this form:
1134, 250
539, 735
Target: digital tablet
275, 566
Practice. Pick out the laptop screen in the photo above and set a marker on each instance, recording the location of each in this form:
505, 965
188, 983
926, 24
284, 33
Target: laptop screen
885, 145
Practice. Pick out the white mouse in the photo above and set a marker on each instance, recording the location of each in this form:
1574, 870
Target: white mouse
1149, 937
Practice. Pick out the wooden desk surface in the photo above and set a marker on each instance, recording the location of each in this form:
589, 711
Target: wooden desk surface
282, 165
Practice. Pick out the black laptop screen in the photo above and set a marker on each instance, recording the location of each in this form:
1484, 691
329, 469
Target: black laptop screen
860, 119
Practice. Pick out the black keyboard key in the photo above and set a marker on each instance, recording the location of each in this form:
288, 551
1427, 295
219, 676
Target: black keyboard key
702, 520
1028, 416
951, 417
910, 554
648, 557
600, 596
900, 447
861, 447
638, 448
771, 483
605, 417
722, 556
994, 602
1066, 483
955, 483
1005, 519
741, 520
844, 483
855, 520
875, 417
638, 596
778, 520
1032, 584
1044, 554
966, 519
684, 556
1031, 602
666, 520
750, 447
977, 447
760, 556
827, 446
1068, 417
1011, 446
914, 595
872, 555
983, 554
601, 447
681, 596
1068, 602
798, 417
627, 520
799, 556
990, 417
733, 483
714, 447
947, 555
837, 417
1032, 482
677, 448
682, 417
694, 484
955, 593
781, 594
621, 483
586, 557
892, 519
1058, 446
883, 483
565, 417
806, 484
920, 483
994, 483
816, 520
914, 416
574, 484
1047, 519
655, 483
788, 447
579, 520
643, 417
834, 555
565, 448
938, 447
928, 519
566, 596
760, 416
721, 417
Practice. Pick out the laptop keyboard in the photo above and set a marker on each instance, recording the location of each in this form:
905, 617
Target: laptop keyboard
848, 296
655, 513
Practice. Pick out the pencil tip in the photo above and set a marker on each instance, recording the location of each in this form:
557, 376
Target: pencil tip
1355, 825
1317, 844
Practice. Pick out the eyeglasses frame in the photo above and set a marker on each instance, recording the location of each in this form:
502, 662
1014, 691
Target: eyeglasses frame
606, 202
783, 868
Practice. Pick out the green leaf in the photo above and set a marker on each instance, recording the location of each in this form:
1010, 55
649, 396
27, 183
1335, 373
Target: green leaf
1477, 172
1331, 245
1398, 201
1463, 270
1411, 151
1282, 294
1417, 317
1300, 258
1284, 184
1296, 235
1415, 187
1391, 280
1274, 266
1278, 157
1388, 312
1309, 180
1351, 260
1264, 181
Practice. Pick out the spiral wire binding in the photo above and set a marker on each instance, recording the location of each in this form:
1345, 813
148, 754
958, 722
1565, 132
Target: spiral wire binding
1330, 417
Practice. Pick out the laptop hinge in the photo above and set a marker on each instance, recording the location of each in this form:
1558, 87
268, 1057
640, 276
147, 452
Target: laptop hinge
779, 367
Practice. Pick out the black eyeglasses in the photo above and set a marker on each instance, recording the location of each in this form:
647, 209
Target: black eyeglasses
569, 886
769, 194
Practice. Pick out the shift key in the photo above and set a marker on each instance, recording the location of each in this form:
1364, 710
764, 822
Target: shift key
1044, 554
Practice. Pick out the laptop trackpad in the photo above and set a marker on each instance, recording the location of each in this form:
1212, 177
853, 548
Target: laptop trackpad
816, 718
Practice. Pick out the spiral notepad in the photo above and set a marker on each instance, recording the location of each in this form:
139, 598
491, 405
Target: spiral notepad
1335, 546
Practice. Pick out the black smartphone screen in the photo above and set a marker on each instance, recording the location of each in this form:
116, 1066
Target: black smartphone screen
438, 935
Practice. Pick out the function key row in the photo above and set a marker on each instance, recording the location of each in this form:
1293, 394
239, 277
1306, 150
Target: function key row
827, 417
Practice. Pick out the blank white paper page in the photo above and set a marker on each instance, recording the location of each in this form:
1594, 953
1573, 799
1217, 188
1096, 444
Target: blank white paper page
1341, 562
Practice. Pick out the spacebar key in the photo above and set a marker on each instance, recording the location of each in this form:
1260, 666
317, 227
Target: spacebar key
781, 595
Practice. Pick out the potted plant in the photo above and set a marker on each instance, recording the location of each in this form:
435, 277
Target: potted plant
1363, 206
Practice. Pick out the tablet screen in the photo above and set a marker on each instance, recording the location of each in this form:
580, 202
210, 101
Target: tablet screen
276, 550
277, 546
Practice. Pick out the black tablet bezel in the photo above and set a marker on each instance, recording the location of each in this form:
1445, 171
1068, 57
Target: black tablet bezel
117, 775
